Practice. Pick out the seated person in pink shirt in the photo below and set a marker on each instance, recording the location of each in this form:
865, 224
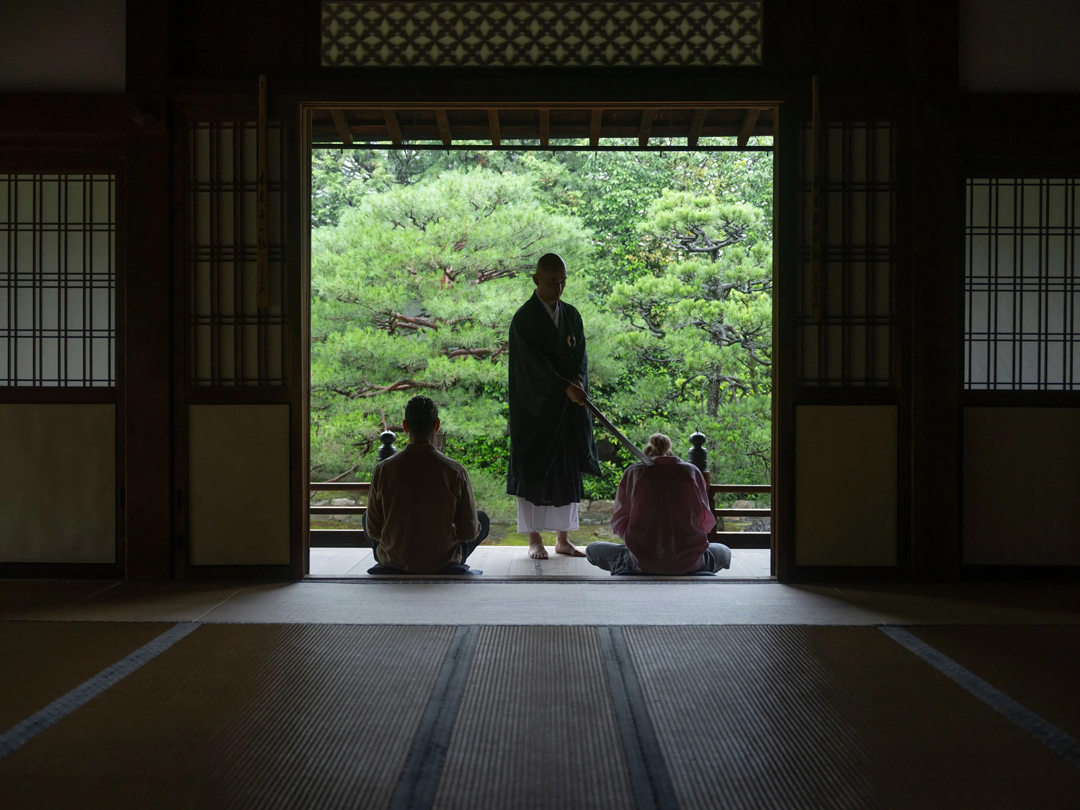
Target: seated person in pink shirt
664, 516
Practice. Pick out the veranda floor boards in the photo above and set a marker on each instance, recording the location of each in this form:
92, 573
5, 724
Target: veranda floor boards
515, 562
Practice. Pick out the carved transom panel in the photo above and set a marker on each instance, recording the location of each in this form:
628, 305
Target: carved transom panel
524, 34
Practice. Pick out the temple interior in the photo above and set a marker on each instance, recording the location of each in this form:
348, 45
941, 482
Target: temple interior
900, 623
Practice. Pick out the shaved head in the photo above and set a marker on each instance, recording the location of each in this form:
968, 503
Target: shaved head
551, 263
550, 278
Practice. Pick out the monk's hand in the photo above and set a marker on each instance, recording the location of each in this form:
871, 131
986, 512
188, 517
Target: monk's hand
576, 392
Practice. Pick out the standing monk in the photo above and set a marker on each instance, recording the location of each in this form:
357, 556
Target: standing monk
551, 439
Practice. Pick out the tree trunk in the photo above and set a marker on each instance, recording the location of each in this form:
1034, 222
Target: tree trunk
712, 404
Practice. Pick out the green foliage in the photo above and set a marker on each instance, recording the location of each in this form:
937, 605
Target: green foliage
419, 260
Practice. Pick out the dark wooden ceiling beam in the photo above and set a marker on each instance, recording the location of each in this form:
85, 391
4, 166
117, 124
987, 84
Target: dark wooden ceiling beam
747, 128
328, 132
444, 127
696, 125
545, 127
493, 126
342, 124
645, 130
594, 127
393, 127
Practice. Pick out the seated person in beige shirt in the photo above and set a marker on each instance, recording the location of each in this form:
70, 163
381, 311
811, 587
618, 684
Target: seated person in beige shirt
421, 516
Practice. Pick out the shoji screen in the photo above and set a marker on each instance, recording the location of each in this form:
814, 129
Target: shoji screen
847, 298
1021, 285
847, 346
58, 368
1022, 371
231, 341
236, 408
58, 280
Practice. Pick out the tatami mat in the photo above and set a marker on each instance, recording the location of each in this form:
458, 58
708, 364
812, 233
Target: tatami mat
968, 602
538, 603
536, 728
536, 717
42, 598
1038, 666
41, 661
804, 717
609, 601
242, 716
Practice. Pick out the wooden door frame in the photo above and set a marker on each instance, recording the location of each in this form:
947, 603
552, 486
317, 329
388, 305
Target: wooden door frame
782, 538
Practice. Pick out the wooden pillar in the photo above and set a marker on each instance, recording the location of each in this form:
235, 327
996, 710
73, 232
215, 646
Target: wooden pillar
936, 320
148, 421
147, 427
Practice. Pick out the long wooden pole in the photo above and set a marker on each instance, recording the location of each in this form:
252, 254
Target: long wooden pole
262, 272
618, 434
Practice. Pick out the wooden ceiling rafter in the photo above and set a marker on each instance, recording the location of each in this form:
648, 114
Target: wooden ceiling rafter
342, 124
393, 127
360, 125
697, 123
444, 127
747, 129
645, 130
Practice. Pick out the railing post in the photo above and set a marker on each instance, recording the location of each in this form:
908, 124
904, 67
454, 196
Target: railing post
699, 457
387, 438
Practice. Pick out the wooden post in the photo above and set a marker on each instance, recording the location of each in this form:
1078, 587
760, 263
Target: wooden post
387, 438
262, 272
815, 192
698, 455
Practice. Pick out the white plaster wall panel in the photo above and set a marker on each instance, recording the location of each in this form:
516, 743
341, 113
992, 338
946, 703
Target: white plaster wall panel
238, 480
58, 483
1022, 486
1019, 46
62, 46
845, 485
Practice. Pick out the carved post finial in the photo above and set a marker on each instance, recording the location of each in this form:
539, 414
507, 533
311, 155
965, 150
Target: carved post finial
387, 438
698, 455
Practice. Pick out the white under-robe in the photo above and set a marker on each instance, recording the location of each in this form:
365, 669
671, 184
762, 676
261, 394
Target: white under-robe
533, 518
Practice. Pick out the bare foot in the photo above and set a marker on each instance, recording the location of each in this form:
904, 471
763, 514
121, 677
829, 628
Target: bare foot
536, 546
564, 546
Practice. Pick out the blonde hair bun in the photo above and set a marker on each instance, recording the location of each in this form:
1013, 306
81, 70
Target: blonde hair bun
659, 445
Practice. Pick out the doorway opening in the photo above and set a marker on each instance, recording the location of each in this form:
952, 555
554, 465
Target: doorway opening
425, 225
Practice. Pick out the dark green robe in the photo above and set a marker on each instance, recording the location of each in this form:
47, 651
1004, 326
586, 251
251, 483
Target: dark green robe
551, 437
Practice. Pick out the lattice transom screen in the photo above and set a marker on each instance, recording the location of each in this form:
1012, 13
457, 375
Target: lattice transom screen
527, 34
1021, 291
57, 280
231, 342
847, 302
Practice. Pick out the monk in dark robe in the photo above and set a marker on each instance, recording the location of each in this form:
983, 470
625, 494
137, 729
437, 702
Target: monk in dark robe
551, 437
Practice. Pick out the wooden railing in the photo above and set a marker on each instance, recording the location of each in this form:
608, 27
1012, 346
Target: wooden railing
338, 538
741, 539
354, 538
